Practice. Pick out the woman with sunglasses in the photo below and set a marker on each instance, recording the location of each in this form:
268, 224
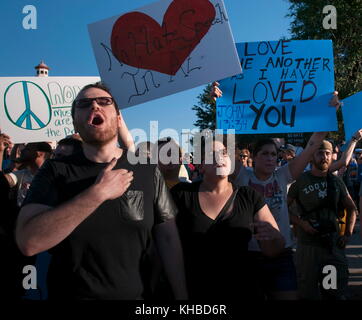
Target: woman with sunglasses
241, 160
244, 157
216, 221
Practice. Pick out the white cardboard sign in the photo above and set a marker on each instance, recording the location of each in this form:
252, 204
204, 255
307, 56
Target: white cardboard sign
166, 47
34, 109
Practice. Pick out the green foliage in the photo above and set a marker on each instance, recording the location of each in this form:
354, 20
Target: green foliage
205, 110
307, 23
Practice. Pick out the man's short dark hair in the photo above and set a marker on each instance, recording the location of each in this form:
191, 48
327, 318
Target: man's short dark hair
75, 143
39, 146
97, 85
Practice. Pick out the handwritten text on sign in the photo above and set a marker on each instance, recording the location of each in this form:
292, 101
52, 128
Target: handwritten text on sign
34, 109
285, 87
163, 48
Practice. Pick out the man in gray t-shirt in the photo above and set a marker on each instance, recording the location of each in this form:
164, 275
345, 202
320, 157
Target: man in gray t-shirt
318, 195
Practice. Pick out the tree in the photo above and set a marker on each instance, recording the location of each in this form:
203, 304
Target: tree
205, 110
307, 23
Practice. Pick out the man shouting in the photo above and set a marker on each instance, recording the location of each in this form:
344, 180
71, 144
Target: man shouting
96, 212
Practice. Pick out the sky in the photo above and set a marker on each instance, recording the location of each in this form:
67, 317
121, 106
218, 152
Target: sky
62, 41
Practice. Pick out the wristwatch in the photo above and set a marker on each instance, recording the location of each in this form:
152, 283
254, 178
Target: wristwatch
355, 139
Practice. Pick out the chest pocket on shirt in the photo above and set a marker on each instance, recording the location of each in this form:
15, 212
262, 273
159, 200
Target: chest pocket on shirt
131, 205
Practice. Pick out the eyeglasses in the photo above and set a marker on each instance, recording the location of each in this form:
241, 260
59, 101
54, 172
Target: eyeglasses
218, 153
244, 156
86, 102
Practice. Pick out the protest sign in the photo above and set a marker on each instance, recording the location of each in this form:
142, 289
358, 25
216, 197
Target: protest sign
352, 113
34, 109
285, 86
166, 47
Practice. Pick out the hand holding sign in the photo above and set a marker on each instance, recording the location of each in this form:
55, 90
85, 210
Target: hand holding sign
215, 91
334, 102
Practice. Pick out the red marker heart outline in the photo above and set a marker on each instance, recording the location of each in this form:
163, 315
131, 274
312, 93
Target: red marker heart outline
139, 41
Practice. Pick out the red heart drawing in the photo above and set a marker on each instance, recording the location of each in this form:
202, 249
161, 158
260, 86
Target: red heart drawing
139, 41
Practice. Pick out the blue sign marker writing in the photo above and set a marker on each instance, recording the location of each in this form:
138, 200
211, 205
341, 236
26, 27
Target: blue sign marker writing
285, 87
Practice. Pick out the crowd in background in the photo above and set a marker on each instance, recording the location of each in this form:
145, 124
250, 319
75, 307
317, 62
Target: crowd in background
263, 219
20, 163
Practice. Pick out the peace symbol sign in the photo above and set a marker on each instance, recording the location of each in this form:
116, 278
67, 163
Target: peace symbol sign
27, 106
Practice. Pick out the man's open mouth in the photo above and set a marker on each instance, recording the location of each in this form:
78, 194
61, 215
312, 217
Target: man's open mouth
95, 120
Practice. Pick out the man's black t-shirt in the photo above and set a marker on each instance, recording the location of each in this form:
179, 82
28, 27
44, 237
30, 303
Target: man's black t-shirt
102, 257
216, 251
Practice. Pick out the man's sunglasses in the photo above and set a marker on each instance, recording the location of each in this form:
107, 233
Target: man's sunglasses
86, 102
244, 156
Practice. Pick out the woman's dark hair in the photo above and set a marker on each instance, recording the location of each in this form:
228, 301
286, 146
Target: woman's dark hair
97, 85
261, 143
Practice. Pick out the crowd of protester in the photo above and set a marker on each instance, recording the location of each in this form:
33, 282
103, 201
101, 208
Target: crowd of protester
258, 221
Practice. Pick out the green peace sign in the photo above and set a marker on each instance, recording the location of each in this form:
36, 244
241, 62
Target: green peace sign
28, 114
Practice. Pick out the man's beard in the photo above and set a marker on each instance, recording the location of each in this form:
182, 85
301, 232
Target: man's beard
322, 165
98, 137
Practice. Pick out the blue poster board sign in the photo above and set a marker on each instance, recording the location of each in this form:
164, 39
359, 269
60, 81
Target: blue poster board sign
285, 86
352, 114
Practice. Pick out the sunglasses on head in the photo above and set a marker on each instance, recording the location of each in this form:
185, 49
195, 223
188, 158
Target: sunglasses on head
101, 101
